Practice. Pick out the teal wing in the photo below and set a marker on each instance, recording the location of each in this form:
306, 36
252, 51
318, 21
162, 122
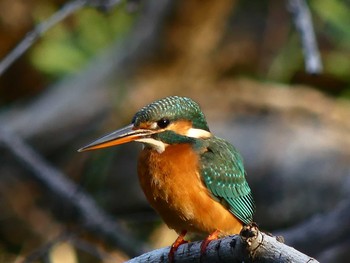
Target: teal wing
223, 173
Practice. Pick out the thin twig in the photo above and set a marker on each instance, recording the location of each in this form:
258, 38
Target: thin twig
68, 9
103, 5
303, 23
43, 251
92, 217
88, 248
38, 31
78, 243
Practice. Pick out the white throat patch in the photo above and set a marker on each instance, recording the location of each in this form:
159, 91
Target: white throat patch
198, 133
159, 146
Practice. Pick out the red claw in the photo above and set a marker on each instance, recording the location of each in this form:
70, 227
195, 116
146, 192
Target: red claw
211, 237
178, 242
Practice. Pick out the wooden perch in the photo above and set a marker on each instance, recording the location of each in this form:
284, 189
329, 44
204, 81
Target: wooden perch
250, 246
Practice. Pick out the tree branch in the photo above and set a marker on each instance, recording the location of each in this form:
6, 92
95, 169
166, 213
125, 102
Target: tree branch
92, 217
250, 246
303, 23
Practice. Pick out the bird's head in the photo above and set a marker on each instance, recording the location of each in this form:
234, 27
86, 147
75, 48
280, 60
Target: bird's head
167, 121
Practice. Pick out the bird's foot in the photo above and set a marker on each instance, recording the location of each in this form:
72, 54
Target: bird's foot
211, 237
178, 242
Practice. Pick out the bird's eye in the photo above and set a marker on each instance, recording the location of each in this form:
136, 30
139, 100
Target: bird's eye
163, 123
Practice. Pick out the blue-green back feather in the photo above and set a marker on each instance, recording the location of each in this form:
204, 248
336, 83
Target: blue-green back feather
223, 173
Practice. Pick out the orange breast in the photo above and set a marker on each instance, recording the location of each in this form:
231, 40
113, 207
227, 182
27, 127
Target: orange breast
172, 185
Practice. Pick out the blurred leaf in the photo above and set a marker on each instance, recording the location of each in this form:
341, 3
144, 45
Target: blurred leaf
68, 47
287, 61
58, 57
335, 14
97, 31
338, 63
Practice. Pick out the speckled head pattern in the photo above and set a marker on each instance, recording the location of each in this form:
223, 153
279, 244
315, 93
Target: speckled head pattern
174, 108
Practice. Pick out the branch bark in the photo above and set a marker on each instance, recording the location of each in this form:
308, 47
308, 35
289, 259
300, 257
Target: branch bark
250, 246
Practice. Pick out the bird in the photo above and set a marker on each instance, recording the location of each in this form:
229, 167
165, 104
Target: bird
193, 179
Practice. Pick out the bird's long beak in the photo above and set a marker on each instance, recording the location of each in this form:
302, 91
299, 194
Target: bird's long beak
123, 135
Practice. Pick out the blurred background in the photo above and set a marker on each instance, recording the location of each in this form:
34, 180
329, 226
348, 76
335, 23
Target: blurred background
241, 60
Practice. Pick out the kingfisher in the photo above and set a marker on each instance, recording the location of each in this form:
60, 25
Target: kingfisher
193, 179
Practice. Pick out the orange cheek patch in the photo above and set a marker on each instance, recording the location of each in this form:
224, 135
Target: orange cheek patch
180, 127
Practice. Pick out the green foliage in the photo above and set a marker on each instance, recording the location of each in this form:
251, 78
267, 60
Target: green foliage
288, 60
332, 22
70, 45
335, 16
